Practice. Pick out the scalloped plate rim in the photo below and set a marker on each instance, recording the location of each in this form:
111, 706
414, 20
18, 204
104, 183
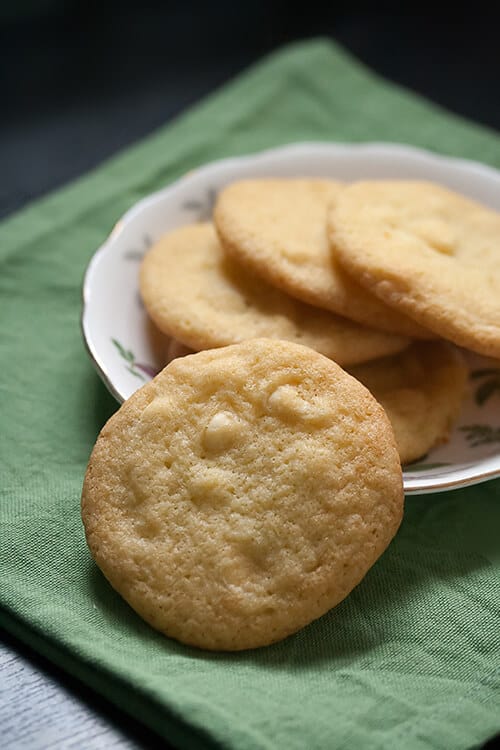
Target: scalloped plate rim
414, 485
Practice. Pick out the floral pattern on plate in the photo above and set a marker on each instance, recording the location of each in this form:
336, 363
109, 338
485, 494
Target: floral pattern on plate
127, 350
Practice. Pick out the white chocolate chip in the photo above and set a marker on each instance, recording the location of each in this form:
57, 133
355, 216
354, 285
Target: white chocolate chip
439, 234
223, 431
287, 402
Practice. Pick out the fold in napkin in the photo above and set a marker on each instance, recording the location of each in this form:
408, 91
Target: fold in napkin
411, 658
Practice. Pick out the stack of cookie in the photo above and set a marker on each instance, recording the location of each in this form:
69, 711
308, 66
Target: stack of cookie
249, 487
374, 275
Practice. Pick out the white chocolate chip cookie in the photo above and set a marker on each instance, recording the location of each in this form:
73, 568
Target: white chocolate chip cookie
205, 300
427, 252
421, 390
242, 493
278, 229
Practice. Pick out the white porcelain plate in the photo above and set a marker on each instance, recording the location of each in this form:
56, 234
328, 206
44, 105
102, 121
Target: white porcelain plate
127, 351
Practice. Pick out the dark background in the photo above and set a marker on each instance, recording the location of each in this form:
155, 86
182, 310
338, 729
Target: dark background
81, 80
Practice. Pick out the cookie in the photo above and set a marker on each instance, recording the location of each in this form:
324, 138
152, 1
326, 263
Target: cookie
426, 251
205, 300
421, 390
242, 493
277, 228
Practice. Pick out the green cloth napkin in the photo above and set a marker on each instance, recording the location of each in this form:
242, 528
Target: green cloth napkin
411, 658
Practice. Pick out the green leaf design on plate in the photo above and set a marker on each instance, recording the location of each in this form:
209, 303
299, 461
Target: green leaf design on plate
481, 434
119, 347
139, 369
203, 207
136, 373
424, 466
125, 353
138, 255
488, 387
134, 255
192, 205
486, 390
486, 371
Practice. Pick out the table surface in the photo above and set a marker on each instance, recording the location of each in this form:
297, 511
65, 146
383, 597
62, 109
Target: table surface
40, 708
102, 92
